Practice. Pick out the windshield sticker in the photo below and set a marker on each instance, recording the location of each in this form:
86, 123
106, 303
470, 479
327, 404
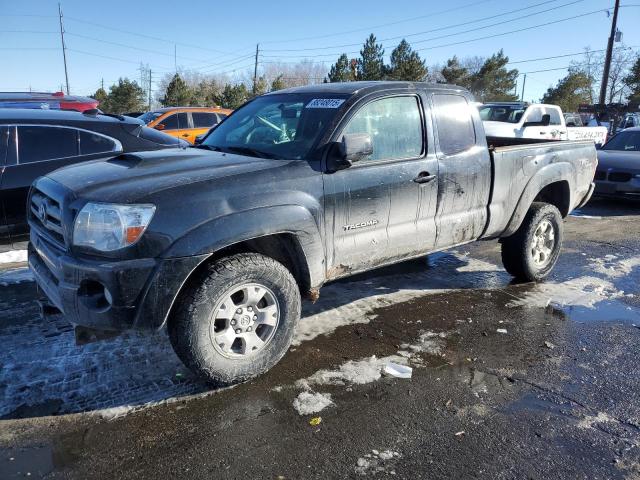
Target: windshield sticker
325, 103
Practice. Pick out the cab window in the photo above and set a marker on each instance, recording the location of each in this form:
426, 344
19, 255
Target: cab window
395, 127
554, 115
38, 143
534, 115
4, 144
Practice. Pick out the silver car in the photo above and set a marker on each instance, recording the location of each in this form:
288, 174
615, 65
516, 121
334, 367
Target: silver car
618, 171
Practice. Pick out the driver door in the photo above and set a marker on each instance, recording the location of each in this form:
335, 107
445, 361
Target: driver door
380, 209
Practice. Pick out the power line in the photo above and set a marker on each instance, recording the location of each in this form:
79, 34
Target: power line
82, 52
464, 41
470, 22
430, 15
151, 37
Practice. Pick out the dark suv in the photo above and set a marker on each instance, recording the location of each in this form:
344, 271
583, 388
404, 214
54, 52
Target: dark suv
36, 142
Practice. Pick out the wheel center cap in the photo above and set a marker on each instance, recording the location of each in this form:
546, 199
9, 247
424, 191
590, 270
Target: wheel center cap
245, 320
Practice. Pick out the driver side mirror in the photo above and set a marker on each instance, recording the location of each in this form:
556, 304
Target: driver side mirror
353, 148
159, 126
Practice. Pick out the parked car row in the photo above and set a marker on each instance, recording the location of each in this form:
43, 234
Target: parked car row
186, 123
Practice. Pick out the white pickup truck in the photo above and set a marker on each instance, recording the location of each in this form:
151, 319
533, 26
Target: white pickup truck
524, 120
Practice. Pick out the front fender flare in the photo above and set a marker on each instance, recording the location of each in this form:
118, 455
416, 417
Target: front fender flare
238, 227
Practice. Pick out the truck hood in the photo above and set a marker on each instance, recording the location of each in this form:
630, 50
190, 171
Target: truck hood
130, 177
500, 129
619, 160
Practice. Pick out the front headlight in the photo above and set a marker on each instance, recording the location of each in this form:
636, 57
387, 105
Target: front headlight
107, 227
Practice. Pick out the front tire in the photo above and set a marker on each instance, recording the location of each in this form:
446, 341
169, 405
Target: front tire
531, 253
236, 319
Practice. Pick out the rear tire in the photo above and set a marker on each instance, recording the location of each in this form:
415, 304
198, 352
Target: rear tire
236, 319
531, 253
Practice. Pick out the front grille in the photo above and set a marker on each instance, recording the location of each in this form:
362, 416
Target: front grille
619, 176
47, 213
601, 175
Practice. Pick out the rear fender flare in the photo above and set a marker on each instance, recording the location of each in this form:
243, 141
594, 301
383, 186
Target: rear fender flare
556, 172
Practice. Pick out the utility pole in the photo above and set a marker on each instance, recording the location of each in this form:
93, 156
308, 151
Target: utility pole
175, 57
64, 48
255, 69
102, 83
149, 89
524, 82
607, 61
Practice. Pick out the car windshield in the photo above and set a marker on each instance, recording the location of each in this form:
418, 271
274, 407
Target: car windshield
501, 113
149, 117
282, 126
626, 141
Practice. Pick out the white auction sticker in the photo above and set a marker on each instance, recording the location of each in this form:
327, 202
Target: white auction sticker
325, 103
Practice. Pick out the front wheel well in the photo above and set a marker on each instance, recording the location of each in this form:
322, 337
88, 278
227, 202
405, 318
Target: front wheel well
557, 194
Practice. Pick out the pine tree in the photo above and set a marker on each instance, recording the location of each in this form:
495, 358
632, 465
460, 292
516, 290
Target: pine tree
102, 97
494, 82
278, 83
125, 96
632, 81
570, 91
260, 88
406, 64
178, 93
234, 95
371, 63
455, 74
341, 71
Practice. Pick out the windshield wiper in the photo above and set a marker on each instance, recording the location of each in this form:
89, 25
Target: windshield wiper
250, 151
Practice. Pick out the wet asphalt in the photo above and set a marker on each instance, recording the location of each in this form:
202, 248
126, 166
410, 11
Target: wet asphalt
529, 381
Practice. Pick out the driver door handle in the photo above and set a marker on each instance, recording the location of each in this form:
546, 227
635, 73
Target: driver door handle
424, 177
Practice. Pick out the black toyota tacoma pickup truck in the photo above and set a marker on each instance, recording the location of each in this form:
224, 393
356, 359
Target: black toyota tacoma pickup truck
296, 188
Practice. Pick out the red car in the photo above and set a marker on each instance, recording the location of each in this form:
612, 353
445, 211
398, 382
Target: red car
46, 101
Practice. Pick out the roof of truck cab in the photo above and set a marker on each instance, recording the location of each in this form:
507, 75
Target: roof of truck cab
351, 88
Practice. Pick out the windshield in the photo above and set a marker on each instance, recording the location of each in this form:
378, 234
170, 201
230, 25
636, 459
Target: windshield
501, 113
626, 141
284, 126
149, 116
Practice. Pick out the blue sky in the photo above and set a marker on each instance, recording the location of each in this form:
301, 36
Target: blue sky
221, 36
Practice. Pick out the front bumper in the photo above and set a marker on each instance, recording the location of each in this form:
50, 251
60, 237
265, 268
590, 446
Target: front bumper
106, 294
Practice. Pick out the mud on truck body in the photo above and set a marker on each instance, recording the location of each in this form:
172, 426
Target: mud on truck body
298, 187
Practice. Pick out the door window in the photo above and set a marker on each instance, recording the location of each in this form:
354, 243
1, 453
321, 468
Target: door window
455, 123
94, 143
395, 127
204, 119
177, 121
38, 143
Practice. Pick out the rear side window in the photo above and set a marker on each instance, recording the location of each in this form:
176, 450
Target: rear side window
36, 144
4, 144
554, 115
454, 122
204, 119
395, 127
93, 143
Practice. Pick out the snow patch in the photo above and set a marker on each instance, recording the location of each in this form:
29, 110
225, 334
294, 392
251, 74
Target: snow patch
611, 268
14, 256
114, 412
377, 462
475, 265
308, 403
15, 275
589, 420
582, 292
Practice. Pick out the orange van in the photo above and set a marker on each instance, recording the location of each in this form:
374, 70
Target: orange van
185, 122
